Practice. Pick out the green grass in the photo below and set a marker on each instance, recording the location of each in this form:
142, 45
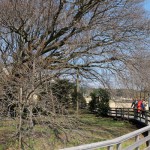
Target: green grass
88, 129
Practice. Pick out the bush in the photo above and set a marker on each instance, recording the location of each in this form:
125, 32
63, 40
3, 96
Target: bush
100, 102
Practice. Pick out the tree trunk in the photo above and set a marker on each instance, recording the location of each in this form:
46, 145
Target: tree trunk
20, 120
77, 86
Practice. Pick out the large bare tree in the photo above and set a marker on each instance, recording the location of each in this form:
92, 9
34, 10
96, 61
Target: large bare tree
138, 75
45, 39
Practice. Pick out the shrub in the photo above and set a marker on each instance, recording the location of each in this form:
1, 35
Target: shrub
100, 102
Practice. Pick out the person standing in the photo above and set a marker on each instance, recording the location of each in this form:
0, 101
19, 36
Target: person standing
134, 106
139, 107
134, 103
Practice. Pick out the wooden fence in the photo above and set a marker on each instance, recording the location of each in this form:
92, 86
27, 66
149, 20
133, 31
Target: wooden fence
124, 113
129, 113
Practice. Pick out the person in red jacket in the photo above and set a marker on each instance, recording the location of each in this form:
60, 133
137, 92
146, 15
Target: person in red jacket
139, 106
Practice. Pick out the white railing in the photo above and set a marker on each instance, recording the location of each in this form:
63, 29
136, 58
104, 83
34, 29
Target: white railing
118, 142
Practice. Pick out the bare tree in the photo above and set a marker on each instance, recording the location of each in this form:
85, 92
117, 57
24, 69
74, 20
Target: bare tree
42, 40
137, 77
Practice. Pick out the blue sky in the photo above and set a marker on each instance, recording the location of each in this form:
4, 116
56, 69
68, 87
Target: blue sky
147, 5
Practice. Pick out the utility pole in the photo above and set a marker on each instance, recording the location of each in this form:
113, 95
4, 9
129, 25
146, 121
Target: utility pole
77, 90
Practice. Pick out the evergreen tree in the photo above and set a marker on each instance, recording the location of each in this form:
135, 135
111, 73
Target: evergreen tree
100, 101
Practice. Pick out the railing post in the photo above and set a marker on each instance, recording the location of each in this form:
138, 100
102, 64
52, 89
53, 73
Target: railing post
109, 112
123, 113
110, 148
119, 146
137, 139
148, 142
146, 118
128, 113
140, 116
135, 113
116, 112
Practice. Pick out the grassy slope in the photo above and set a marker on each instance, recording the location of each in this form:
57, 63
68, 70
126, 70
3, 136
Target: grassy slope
90, 129
96, 129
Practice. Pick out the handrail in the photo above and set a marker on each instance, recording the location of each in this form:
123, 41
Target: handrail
109, 144
130, 113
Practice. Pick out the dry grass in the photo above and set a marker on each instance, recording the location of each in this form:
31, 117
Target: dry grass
89, 129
